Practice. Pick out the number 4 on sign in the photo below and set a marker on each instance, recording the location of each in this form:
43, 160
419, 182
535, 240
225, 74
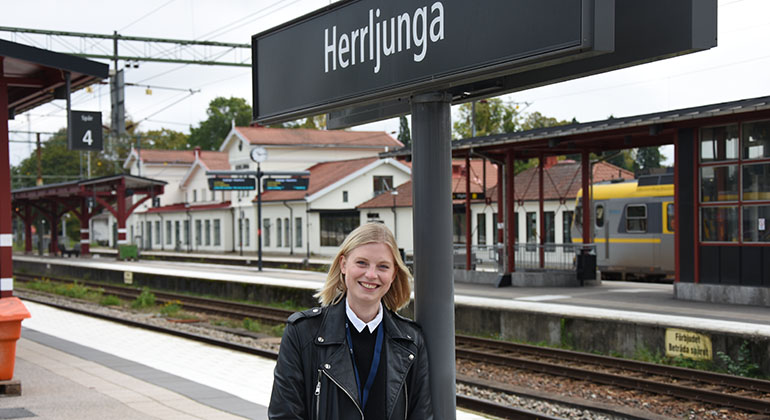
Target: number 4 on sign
87, 138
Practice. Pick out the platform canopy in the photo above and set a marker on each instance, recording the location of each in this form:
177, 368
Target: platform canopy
35, 76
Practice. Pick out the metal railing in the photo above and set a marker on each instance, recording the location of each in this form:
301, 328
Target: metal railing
527, 256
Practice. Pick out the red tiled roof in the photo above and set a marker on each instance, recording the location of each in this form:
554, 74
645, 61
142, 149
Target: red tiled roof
560, 181
183, 207
321, 176
185, 157
403, 198
477, 175
215, 161
300, 136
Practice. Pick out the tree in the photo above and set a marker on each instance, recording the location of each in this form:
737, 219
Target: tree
317, 122
221, 113
58, 164
537, 120
404, 134
165, 139
647, 158
493, 116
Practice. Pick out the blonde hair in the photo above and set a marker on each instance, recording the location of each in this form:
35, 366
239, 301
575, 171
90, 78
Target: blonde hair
400, 290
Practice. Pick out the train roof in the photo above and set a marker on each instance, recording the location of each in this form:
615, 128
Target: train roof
630, 189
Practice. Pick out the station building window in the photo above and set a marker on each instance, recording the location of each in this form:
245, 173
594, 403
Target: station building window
287, 232
335, 226
458, 224
297, 232
481, 228
208, 232
278, 233
217, 239
247, 226
566, 226
198, 233
735, 183
531, 230
266, 231
382, 183
168, 232
549, 226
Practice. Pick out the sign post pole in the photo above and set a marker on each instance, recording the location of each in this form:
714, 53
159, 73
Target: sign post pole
433, 284
259, 218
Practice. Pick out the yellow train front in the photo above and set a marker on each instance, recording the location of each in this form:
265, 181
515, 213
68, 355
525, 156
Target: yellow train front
633, 227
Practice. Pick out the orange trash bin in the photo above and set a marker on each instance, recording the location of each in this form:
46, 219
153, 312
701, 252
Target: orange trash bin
12, 311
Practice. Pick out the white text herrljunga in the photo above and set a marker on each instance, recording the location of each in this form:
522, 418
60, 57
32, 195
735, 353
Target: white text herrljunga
385, 37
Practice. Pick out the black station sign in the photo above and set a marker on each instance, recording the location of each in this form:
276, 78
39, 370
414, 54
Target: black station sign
86, 131
366, 50
285, 184
230, 184
462, 195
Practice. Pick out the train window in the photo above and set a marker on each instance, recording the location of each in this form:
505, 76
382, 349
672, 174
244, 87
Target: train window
670, 217
600, 216
636, 218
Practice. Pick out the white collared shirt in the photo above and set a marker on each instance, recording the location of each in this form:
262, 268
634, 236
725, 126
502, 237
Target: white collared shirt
358, 324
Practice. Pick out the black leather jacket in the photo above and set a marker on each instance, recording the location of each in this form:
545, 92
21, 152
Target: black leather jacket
314, 377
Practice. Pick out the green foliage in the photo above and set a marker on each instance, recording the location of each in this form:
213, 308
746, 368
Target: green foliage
252, 325
110, 300
73, 290
493, 116
312, 123
221, 112
648, 158
171, 309
145, 299
742, 365
165, 139
404, 133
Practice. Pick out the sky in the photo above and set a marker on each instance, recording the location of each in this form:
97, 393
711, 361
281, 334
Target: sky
736, 69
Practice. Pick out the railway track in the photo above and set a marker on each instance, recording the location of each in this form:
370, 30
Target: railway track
721, 390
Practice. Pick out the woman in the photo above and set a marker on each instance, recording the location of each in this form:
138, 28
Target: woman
354, 357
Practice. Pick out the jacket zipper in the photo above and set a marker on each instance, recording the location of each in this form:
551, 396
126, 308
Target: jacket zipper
346, 393
318, 396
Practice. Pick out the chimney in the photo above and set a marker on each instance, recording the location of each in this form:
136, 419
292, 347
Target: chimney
550, 161
197, 152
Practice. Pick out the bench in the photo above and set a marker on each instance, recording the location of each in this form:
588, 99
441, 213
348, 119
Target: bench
69, 252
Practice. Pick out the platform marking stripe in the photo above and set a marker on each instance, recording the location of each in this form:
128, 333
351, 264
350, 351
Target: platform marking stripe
543, 298
122, 230
85, 230
6, 284
6, 239
85, 241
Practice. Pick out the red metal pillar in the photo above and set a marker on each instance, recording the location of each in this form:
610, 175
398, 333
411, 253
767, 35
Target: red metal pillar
510, 213
541, 216
27, 228
500, 213
585, 167
6, 235
85, 237
468, 236
122, 240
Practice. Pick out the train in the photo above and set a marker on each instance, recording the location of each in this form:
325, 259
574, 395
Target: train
633, 227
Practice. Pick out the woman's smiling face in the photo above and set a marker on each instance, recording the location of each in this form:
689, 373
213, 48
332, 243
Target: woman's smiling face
369, 271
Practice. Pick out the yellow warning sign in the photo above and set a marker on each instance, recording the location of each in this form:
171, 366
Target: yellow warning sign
687, 344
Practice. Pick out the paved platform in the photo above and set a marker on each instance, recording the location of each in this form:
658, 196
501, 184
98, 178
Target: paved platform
636, 302
75, 367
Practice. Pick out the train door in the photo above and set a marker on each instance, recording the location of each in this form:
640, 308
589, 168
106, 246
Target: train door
665, 252
601, 233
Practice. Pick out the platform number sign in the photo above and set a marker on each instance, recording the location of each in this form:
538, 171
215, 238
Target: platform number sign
86, 131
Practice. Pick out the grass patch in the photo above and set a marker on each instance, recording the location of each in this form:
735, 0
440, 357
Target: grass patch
171, 309
145, 299
73, 290
110, 300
